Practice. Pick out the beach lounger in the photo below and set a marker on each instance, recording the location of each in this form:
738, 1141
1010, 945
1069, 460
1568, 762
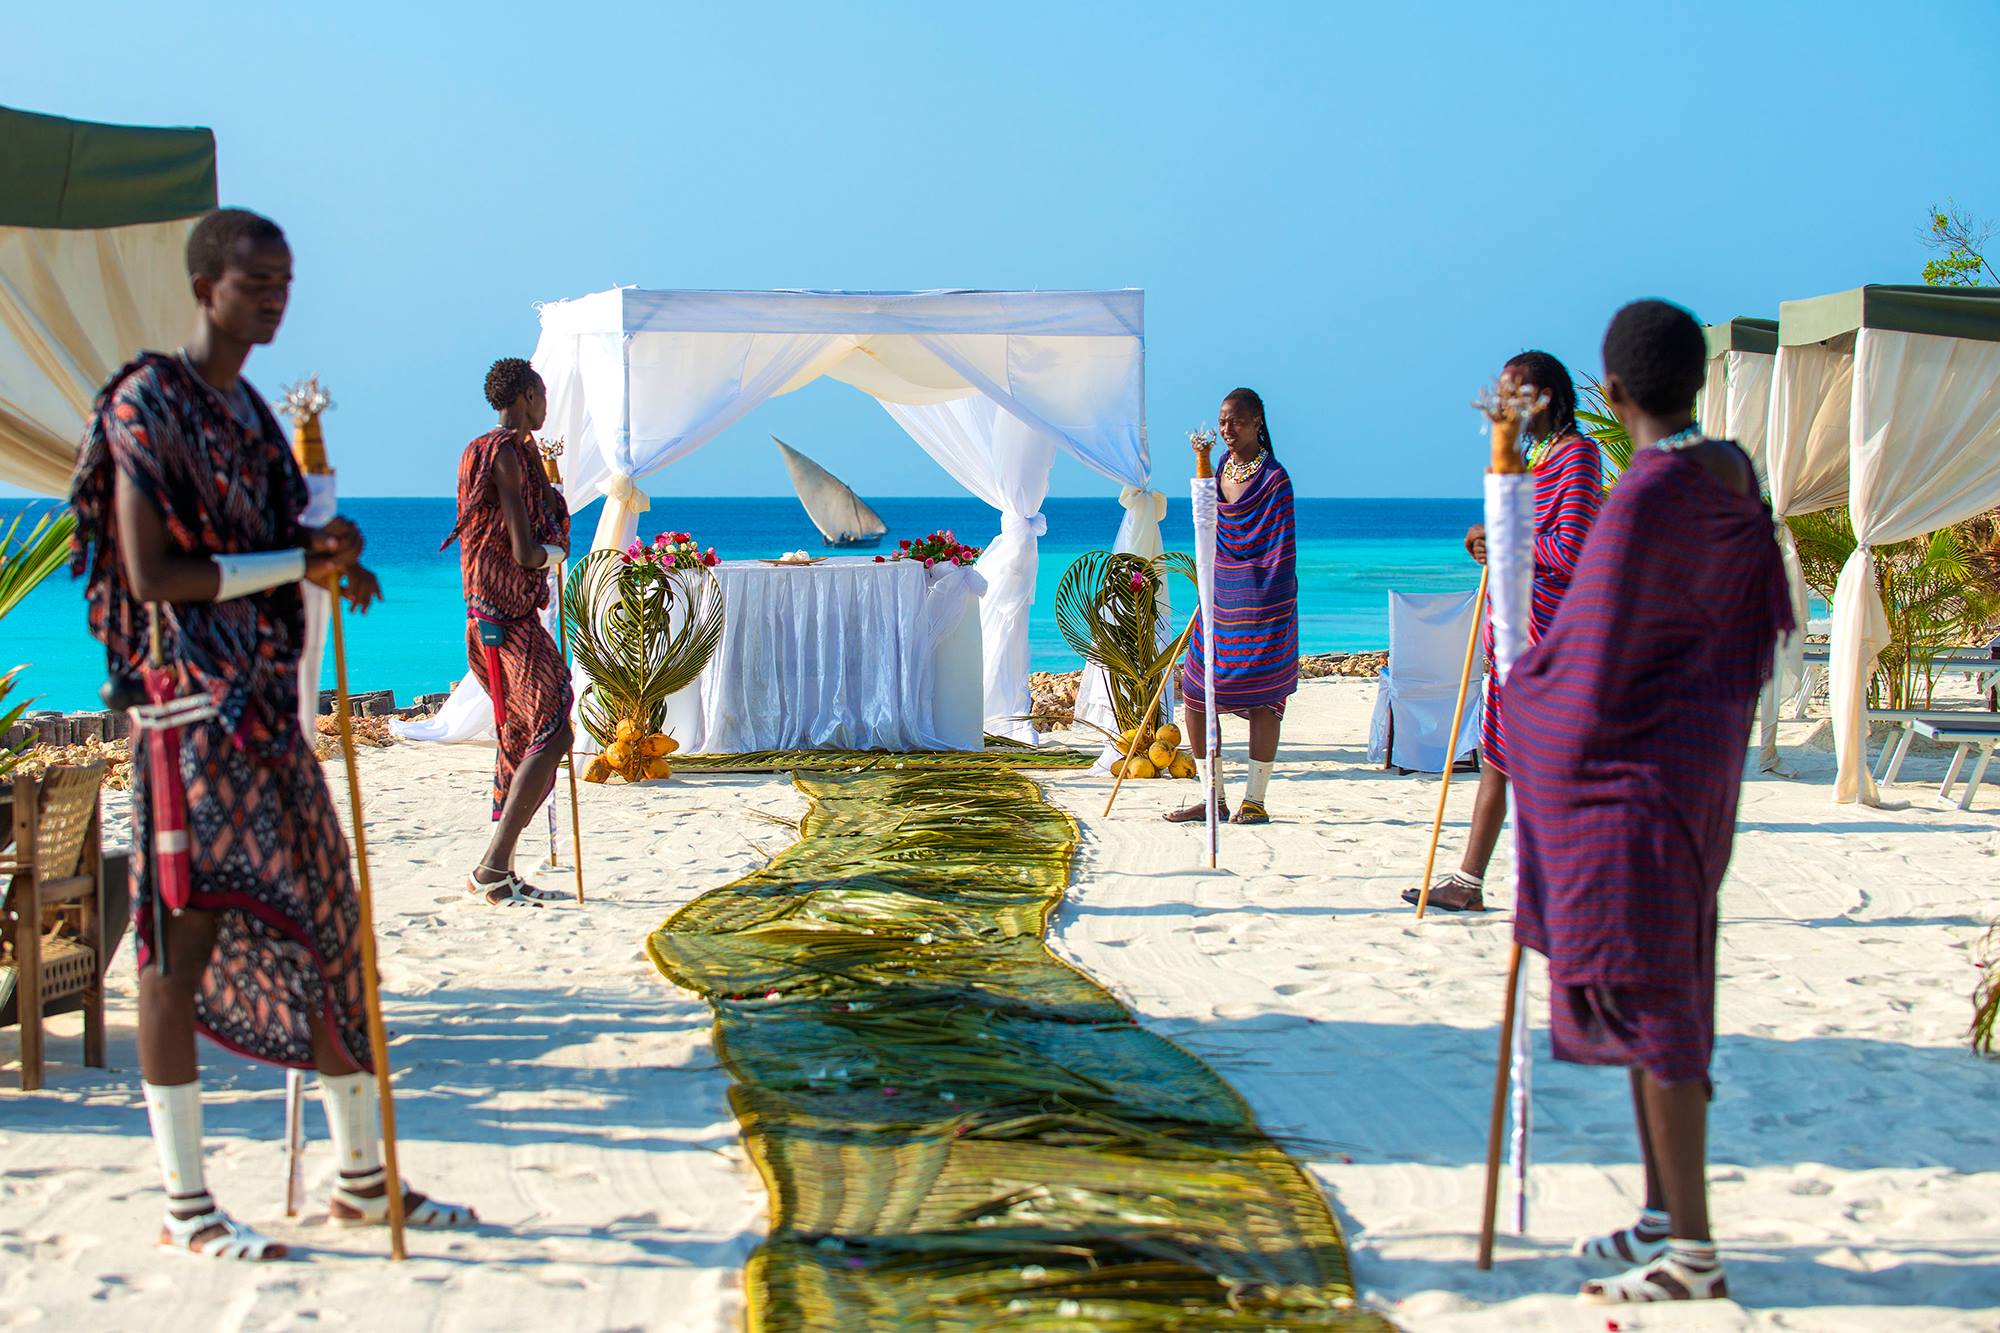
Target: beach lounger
1419, 688
1977, 662
1969, 732
53, 910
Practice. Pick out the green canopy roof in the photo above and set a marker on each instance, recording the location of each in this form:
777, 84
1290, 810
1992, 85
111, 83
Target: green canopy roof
1948, 312
1743, 334
76, 175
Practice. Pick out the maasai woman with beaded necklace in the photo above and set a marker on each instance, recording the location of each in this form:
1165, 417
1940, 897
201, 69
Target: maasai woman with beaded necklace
1256, 606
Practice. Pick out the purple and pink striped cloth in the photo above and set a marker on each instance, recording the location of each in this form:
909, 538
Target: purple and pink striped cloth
1256, 601
1631, 721
1569, 489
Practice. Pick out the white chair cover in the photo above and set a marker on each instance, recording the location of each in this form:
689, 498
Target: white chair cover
1416, 694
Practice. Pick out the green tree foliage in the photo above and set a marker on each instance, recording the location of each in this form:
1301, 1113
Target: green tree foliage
1931, 586
1960, 244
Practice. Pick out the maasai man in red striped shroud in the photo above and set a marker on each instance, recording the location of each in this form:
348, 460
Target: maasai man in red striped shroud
512, 530
1631, 720
187, 503
1256, 607
1568, 468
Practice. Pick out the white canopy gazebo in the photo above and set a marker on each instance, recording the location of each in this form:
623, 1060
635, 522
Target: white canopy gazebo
990, 384
1886, 399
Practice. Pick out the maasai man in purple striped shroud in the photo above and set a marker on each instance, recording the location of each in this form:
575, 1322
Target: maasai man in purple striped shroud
1631, 720
1256, 603
1569, 489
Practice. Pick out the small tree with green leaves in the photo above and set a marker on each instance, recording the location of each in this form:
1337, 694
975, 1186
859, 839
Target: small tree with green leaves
1960, 242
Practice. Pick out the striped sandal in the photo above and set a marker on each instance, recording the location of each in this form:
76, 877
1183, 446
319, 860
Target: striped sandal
1685, 1272
350, 1209
1251, 812
510, 890
214, 1234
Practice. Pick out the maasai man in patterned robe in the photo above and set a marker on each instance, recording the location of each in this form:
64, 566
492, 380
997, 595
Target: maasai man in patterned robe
512, 530
1256, 607
1631, 718
1569, 488
186, 498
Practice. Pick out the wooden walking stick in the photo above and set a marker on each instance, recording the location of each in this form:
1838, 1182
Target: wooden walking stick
1151, 708
1496, 1126
552, 450
1451, 742
305, 402
1509, 524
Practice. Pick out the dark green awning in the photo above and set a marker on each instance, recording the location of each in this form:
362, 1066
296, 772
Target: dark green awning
1743, 334
77, 175
1948, 312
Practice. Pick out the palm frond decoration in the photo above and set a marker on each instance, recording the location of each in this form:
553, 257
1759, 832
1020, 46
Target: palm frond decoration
640, 635
27, 559
1109, 608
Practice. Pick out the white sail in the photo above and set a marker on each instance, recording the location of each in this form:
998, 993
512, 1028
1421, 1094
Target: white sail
841, 516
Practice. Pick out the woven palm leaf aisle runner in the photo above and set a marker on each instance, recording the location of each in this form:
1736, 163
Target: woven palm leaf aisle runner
960, 1132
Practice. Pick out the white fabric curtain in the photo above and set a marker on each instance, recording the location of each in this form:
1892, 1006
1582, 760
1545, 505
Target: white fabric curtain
1005, 462
1746, 414
1138, 533
74, 306
1925, 453
1805, 456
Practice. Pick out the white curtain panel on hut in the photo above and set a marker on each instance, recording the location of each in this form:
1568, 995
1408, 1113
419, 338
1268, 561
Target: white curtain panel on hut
1140, 535
637, 379
1925, 454
1735, 404
94, 221
1005, 462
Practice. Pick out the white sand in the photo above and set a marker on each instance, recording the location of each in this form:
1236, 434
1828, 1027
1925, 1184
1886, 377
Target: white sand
549, 1077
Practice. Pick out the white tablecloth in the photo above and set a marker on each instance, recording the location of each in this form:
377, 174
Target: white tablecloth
846, 655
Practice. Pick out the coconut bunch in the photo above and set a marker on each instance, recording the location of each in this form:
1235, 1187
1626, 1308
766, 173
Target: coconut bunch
633, 755
1158, 753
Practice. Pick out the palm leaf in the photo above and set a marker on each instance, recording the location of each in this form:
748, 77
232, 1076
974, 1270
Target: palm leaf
10, 755
26, 560
639, 638
1604, 426
1108, 609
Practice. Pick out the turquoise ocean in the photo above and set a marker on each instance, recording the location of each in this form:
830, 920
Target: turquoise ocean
1351, 554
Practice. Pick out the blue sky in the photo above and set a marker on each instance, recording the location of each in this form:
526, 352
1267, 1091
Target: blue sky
1361, 213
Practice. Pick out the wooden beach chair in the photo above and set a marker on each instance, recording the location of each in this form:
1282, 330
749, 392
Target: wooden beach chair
52, 916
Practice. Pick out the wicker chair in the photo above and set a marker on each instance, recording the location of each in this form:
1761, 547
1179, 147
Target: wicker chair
52, 918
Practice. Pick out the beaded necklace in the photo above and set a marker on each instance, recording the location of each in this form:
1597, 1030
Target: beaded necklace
1680, 439
1238, 473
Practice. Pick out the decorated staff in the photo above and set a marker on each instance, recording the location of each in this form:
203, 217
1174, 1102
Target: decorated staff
1203, 493
304, 403
1510, 567
551, 451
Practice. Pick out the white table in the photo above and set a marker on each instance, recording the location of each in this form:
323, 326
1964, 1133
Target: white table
843, 655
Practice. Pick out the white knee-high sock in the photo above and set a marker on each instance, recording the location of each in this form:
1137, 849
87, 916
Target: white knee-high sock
175, 1112
354, 1119
1259, 780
